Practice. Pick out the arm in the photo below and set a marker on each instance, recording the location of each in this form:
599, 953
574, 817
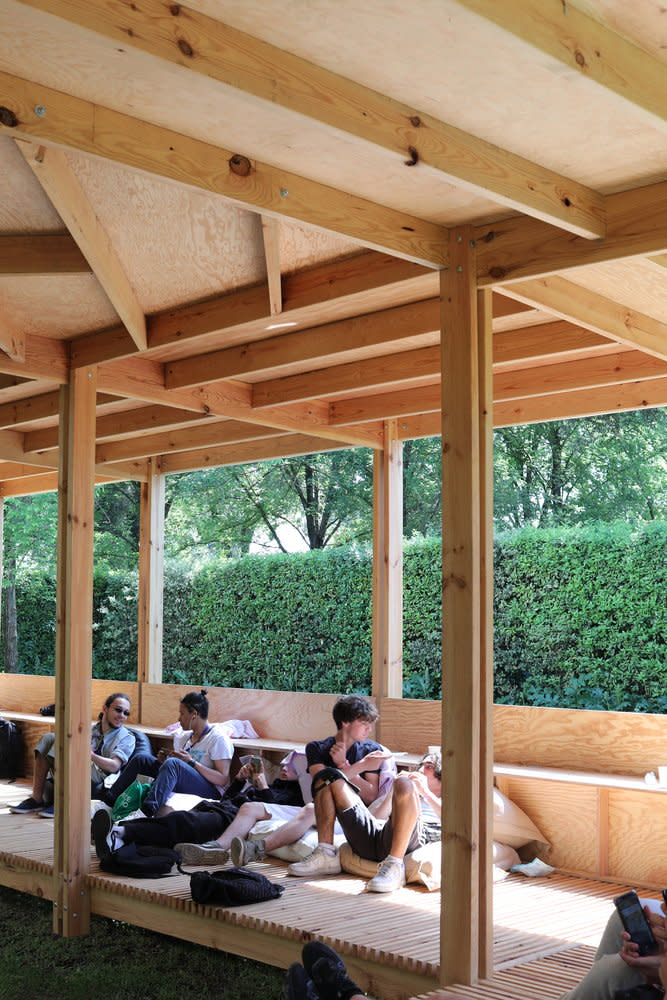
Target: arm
647, 965
110, 765
425, 792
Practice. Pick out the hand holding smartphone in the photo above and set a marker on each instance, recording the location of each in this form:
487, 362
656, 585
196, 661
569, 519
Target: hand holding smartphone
634, 921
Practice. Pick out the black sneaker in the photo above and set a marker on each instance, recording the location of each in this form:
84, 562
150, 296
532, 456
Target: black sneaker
299, 986
100, 832
27, 806
327, 970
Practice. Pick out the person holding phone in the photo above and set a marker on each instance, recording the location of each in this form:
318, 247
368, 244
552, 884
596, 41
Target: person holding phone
618, 964
198, 764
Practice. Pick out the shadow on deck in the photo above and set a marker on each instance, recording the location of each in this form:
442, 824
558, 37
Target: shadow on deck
390, 943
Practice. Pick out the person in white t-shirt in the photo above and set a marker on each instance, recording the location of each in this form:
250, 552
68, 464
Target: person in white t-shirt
198, 764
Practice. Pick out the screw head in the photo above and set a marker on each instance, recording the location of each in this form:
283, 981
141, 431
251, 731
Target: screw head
40, 110
284, 192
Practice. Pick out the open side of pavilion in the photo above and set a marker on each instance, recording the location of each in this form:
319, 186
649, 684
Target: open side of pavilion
227, 235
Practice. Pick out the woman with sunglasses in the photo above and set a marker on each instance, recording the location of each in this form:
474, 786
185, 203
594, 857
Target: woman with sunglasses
198, 764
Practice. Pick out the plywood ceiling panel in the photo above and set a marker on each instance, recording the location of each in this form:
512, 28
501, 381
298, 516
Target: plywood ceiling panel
24, 208
177, 244
57, 306
637, 284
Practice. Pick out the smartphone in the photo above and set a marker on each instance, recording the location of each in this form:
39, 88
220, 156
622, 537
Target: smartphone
634, 921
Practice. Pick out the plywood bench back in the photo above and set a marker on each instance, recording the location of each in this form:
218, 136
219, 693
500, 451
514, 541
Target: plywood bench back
274, 714
29, 692
608, 742
409, 724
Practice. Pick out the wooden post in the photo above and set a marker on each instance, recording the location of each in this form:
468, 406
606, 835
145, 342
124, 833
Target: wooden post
464, 770
388, 567
151, 576
485, 853
74, 652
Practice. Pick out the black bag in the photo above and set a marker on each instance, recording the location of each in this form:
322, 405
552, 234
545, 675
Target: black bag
140, 861
11, 749
645, 991
232, 887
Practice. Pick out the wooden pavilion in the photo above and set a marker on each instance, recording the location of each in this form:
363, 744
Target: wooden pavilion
237, 231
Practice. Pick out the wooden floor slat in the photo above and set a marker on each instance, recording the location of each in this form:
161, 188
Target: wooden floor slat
545, 929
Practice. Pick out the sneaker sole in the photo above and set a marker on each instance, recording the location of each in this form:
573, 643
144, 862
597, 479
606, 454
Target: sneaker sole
100, 825
195, 854
23, 812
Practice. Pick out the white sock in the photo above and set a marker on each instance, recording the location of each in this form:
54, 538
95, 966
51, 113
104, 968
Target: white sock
116, 837
392, 857
328, 849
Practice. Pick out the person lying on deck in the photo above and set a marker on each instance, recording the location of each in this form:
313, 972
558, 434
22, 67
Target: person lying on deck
111, 746
207, 821
413, 809
198, 764
618, 965
362, 760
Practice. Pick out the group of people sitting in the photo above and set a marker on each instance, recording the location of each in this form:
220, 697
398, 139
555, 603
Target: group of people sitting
355, 790
382, 820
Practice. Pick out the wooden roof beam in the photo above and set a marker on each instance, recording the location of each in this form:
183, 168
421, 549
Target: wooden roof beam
520, 248
263, 71
595, 312
43, 358
54, 173
271, 240
211, 434
570, 36
142, 379
239, 454
582, 403
53, 253
77, 124
329, 340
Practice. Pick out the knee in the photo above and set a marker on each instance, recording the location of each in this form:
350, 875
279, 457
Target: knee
404, 791
142, 760
253, 810
172, 765
324, 778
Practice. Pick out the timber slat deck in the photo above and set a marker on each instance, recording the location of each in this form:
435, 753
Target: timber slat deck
545, 929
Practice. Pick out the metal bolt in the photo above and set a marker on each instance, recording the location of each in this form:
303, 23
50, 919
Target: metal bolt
472, 243
284, 192
459, 239
459, 270
40, 110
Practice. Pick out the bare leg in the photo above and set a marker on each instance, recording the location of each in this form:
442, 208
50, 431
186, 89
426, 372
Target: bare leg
293, 830
249, 814
404, 815
328, 800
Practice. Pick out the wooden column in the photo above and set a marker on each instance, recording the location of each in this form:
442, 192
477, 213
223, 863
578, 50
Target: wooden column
74, 652
485, 853
388, 567
465, 908
151, 576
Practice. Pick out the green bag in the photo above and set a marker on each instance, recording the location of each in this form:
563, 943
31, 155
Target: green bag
130, 800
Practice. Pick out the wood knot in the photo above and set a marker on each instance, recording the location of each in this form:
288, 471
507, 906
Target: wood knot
240, 165
490, 236
185, 48
416, 121
579, 58
175, 9
8, 118
414, 157
497, 272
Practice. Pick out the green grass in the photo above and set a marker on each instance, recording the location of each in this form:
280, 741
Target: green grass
116, 961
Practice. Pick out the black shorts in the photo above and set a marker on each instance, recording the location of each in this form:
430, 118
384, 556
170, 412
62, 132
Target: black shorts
369, 837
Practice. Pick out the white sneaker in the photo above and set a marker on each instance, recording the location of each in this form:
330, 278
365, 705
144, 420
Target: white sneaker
320, 862
390, 876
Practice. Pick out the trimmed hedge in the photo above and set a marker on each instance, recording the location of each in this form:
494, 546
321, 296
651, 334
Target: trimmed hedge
580, 620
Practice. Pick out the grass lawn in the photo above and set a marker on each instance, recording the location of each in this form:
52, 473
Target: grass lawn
116, 962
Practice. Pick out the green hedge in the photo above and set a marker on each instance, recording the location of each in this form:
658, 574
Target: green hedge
580, 620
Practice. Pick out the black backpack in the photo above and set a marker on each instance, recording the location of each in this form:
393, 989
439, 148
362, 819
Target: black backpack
11, 749
140, 861
232, 887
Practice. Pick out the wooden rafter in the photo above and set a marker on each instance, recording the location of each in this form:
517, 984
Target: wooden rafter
595, 312
54, 173
238, 454
210, 434
271, 240
571, 36
81, 125
12, 340
259, 69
